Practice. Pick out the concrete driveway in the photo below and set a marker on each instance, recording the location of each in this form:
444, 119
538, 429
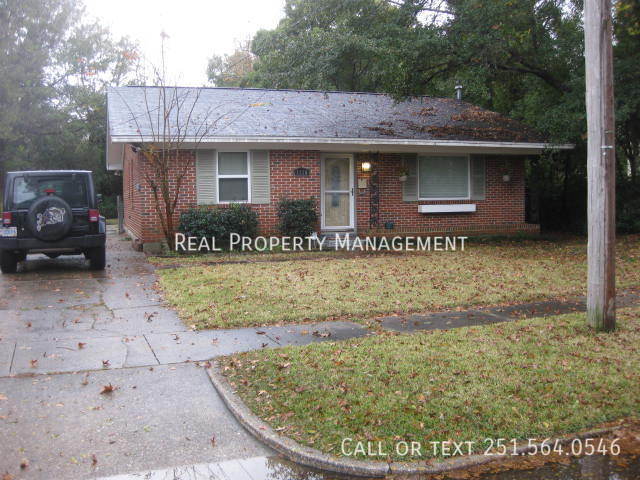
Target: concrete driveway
65, 333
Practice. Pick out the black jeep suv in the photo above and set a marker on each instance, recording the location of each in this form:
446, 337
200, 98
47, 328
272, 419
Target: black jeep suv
54, 212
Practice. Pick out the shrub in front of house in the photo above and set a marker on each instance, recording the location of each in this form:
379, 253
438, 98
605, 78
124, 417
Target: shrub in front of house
201, 222
219, 223
297, 218
239, 218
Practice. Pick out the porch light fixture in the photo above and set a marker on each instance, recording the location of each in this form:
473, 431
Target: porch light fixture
366, 166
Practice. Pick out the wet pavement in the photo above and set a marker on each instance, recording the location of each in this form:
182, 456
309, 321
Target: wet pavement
274, 468
97, 328
67, 332
595, 467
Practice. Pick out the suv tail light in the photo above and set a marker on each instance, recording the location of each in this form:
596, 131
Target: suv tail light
94, 215
6, 218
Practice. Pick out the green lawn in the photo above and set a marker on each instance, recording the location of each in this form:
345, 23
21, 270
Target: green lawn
530, 378
260, 293
180, 260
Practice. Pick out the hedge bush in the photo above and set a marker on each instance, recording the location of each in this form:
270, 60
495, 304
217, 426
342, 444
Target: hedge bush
628, 207
219, 223
297, 218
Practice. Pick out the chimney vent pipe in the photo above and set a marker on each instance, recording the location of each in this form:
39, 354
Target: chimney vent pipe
458, 92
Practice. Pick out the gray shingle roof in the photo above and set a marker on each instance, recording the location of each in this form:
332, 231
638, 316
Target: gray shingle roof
233, 112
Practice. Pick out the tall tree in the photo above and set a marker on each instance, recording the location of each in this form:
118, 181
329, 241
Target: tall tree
53, 70
175, 121
330, 44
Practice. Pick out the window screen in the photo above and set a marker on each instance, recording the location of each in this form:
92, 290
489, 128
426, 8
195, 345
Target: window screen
443, 177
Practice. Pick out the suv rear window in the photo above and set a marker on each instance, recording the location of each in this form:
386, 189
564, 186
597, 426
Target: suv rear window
73, 189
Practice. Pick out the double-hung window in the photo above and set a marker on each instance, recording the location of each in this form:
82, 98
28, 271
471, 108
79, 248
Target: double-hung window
233, 177
443, 178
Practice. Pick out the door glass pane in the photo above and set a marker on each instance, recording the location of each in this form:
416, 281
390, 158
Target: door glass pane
336, 174
234, 190
232, 163
336, 209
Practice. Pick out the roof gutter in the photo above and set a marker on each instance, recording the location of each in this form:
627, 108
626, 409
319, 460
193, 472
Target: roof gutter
352, 141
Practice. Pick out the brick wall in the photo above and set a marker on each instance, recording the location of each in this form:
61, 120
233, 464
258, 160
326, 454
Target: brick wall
285, 185
140, 214
133, 207
501, 212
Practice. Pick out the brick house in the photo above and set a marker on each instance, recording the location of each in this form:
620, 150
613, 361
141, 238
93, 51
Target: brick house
375, 166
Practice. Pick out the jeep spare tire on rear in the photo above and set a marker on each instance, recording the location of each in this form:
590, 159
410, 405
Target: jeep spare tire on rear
49, 218
51, 212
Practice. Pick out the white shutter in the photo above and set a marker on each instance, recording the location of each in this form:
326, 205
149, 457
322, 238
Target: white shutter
206, 178
478, 177
260, 181
410, 186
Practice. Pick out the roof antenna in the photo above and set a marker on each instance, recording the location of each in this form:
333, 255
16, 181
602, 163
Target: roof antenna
458, 91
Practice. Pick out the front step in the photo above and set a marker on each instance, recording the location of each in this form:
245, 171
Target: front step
338, 240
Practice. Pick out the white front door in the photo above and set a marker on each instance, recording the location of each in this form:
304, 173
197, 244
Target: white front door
337, 192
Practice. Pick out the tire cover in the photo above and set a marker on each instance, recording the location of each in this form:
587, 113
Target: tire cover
49, 218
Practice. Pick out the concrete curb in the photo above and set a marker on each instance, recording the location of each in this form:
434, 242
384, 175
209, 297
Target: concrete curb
311, 457
291, 449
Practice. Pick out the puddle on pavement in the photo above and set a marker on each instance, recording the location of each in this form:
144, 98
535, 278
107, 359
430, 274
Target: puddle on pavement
594, 467
276, 468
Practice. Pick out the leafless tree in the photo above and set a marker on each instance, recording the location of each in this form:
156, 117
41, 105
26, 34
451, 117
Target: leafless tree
169, 124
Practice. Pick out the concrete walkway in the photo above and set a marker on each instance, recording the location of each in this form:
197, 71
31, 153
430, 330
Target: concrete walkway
57, 316
66, 332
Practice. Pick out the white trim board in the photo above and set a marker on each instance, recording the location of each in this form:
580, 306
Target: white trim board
451, 208
338, 145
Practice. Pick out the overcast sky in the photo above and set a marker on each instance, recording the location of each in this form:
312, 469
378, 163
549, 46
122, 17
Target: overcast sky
197, 29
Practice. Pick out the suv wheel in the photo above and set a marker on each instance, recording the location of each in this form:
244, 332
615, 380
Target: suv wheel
8, 261
97, 258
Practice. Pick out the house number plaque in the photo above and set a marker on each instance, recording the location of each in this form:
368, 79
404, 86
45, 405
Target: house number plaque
301, 172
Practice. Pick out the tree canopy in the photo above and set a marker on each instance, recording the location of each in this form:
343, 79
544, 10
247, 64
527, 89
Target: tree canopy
53, 70
523, 58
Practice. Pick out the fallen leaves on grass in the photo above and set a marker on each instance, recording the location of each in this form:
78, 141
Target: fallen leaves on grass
307, 290
464, 383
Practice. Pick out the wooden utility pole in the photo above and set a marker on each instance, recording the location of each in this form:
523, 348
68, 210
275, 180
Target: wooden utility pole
601, 289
